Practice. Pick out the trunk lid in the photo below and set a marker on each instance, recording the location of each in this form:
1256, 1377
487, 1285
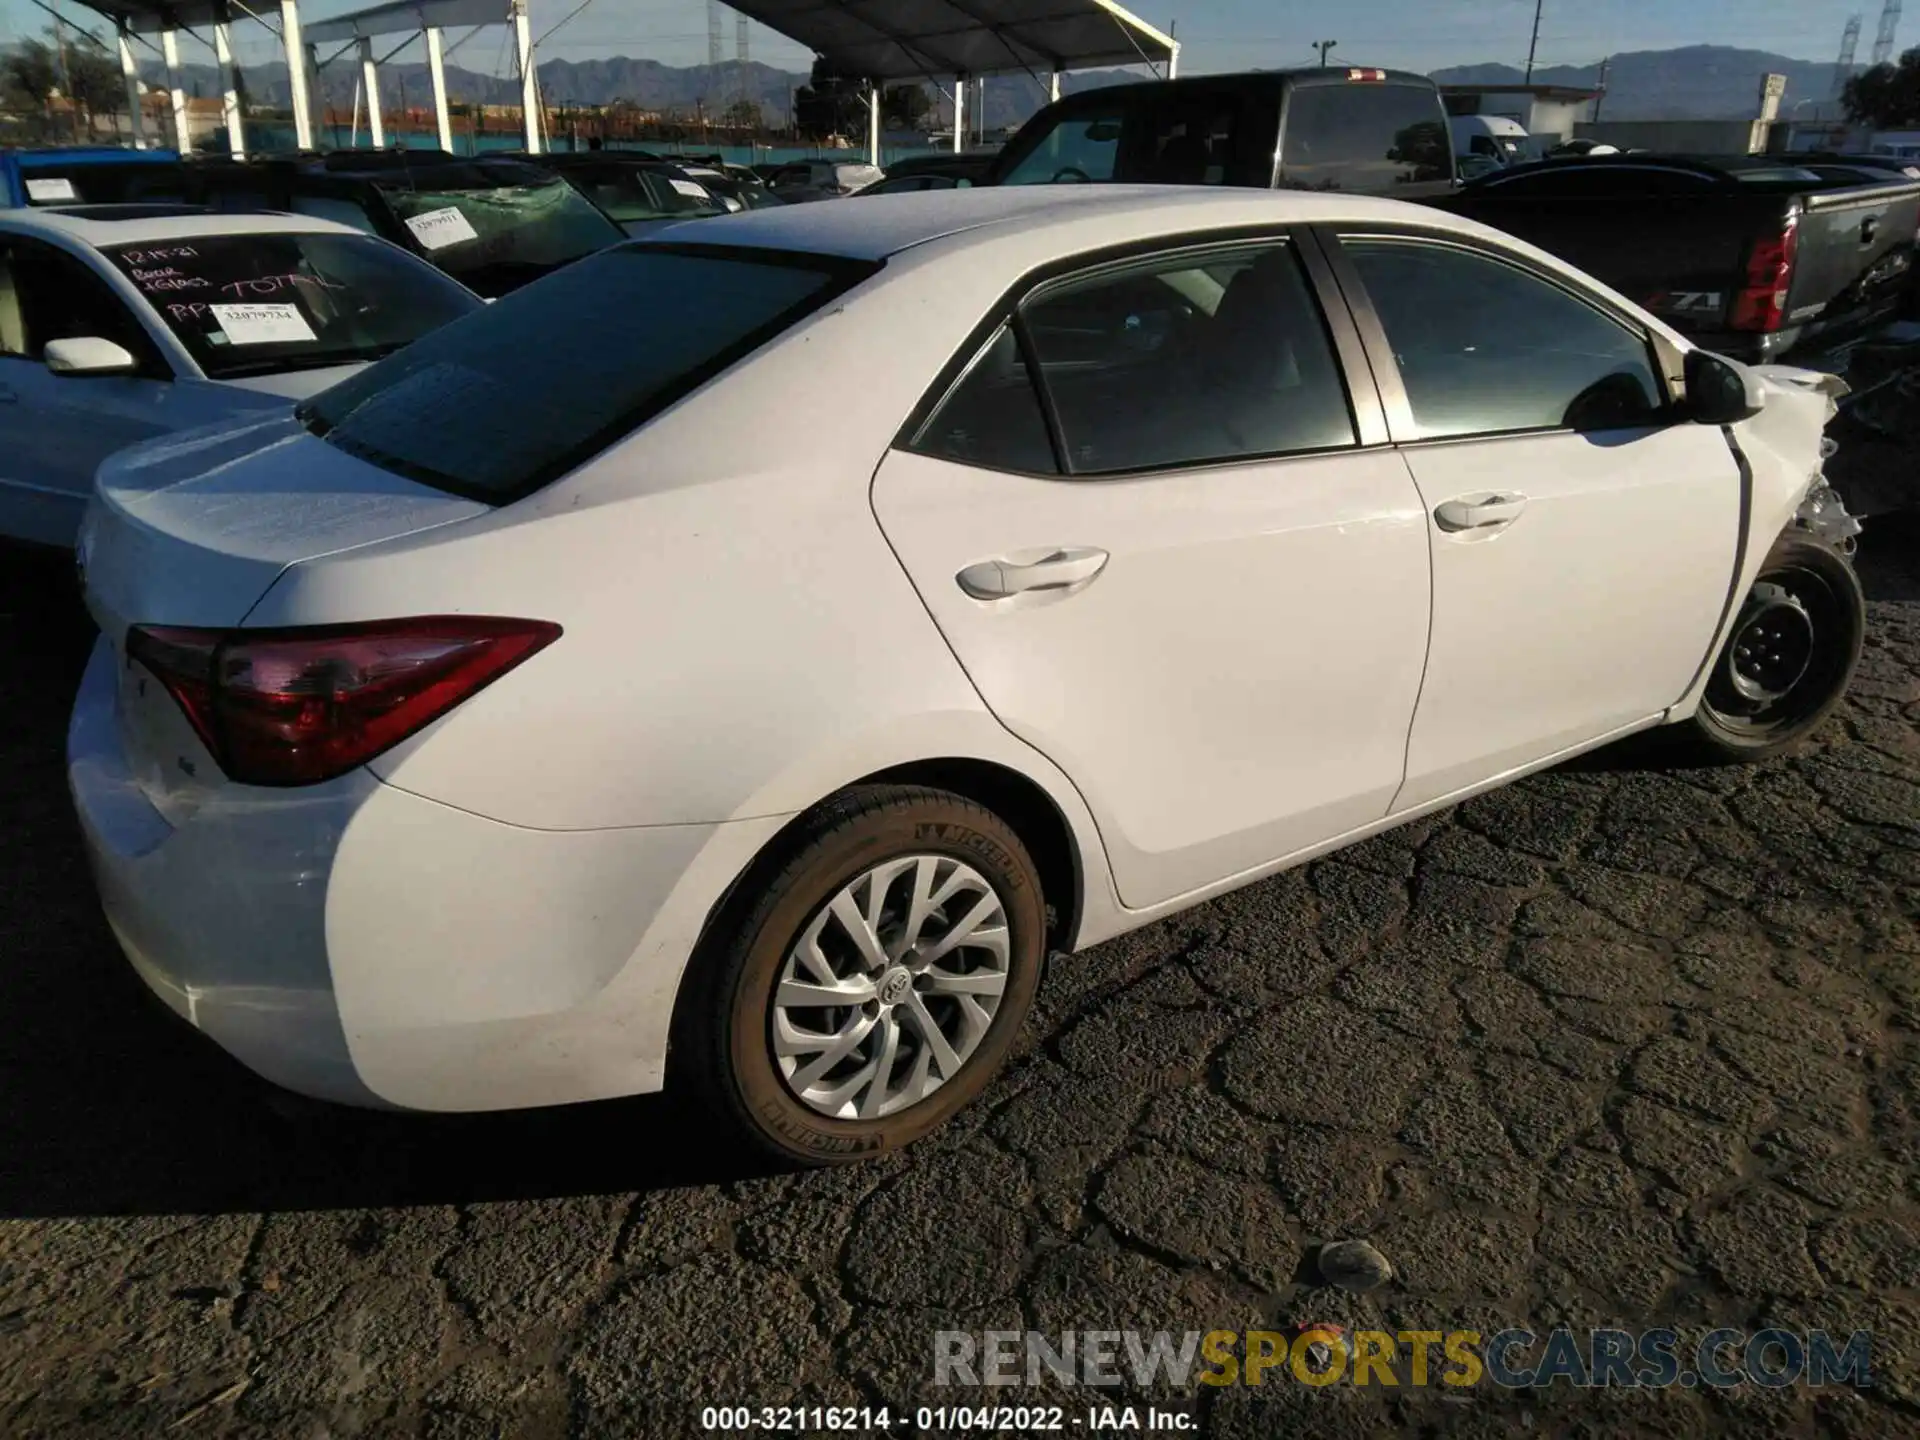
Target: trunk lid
191, 530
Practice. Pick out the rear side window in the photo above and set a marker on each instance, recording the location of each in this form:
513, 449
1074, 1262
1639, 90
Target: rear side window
507, 400
1078, 149
1184, 359
1364, 136
1194, 140
992, 418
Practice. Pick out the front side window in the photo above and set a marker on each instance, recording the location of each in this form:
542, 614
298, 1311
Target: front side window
59, 298
495, 238
1077, 149
269, 303
518, 393
1484, 346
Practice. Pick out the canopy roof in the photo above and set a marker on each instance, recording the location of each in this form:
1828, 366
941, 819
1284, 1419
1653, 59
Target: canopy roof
151, 16
907, 39
407, 17
874, 39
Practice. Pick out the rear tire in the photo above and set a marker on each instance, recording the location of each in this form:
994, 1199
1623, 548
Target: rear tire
861, 910
1789, 658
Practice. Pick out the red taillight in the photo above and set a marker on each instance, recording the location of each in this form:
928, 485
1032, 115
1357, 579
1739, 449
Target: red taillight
1366, 75
1762, 305
294, 707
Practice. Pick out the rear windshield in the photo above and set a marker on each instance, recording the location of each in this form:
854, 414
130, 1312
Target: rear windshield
515, 396
264, 304
1364, 136
102, 182
496, 238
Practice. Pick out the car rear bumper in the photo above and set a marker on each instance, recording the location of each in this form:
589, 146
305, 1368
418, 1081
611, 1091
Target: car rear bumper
358, 943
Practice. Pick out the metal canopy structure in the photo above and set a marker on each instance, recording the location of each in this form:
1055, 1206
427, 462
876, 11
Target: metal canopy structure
151, 17
879, 40
431, 18
914, 39
883, 40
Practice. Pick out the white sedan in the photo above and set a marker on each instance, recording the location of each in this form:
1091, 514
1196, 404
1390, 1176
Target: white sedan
122, 322
514, 725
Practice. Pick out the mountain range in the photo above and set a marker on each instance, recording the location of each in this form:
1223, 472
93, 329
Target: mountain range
1697, 82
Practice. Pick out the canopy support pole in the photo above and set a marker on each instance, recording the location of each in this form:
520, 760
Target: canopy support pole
176, 97
529, 87
229, 85
959, 113
297, 74
130, 73
873, 123
1054, 93
370, 80
437, 73
1173, 61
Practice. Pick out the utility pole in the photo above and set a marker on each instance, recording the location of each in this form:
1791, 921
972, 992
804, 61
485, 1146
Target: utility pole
1606, 66
66, 75
1533, 48
1323, 46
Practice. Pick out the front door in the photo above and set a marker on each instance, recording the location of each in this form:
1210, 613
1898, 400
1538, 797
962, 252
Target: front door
1583, 536
55, 430
1171, 567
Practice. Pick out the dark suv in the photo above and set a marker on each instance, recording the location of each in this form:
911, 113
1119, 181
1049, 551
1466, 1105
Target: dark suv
1381, 132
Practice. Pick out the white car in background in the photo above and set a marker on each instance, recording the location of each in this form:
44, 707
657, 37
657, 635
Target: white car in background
122, 322
511, 725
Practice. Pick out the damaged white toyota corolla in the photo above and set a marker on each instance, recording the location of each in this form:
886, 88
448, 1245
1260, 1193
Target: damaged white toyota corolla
733, 663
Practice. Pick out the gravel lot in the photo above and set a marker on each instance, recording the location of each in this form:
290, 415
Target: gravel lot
1620, 1044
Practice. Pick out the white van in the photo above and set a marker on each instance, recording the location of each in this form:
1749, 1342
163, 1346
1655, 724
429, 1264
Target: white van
1497, 137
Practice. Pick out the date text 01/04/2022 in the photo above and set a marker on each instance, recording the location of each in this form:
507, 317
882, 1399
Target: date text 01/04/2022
969, 1419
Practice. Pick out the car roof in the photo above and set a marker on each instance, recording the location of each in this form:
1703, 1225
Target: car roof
1239, 81
154, 224
885, 225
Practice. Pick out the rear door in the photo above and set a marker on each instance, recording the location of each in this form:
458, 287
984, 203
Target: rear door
1583, 536
1184, 567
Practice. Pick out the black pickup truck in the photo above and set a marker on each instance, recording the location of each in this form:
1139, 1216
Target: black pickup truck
1381, 132
1751, 256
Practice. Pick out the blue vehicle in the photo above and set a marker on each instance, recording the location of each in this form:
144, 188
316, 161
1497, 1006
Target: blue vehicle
87, 175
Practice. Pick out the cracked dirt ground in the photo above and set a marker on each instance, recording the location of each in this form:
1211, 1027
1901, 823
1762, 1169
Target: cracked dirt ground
1619, 1044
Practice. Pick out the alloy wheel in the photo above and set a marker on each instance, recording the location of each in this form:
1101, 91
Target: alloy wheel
891, 987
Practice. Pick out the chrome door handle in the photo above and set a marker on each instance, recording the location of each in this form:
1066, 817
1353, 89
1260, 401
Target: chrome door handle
1483, 512
1067, 569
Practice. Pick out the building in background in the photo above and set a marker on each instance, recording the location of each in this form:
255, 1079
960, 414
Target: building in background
1549, 113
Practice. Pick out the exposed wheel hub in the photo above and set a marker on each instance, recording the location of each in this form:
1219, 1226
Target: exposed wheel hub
1772, 645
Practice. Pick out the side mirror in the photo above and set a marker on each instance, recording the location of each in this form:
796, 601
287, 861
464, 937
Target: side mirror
1720, 391
88, 355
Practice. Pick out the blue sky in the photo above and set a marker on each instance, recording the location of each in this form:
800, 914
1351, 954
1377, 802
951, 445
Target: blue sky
1216, 34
